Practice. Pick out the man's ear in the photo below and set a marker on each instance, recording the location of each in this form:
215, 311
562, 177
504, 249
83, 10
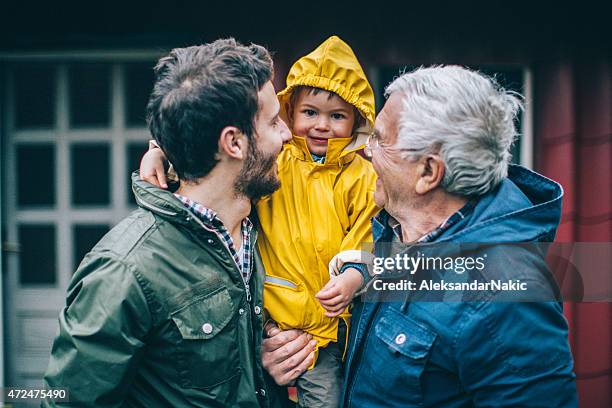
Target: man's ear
233, 143
431, 172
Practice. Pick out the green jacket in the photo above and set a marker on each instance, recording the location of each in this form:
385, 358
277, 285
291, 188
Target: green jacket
157, 315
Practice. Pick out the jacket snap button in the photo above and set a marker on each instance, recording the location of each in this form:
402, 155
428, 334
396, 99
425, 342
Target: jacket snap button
262, 392
241, 311
207, 328
400, 339
188, 218
257, 310
210, 241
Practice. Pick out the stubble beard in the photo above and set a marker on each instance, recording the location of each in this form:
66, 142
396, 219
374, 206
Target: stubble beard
256, 178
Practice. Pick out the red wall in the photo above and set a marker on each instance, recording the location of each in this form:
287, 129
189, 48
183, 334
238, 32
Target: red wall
573, 128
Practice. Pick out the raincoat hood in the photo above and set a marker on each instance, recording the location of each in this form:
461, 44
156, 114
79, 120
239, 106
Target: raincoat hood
333, 66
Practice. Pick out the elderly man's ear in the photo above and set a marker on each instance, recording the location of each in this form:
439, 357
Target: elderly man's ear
430, 173
232, 143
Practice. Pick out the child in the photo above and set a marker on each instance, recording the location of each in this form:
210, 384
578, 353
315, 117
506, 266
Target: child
323, 207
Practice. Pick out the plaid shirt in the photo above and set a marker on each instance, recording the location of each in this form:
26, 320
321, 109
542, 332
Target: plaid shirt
318, 159
242, 257
434, 234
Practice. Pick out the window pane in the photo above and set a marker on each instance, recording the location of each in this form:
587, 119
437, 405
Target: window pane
90, 174
89, 95
139, 83
135, 151
37, 254
36, 175
34, 95
85, 238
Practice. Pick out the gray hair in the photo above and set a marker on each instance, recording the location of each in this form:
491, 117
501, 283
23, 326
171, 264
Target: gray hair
465, 117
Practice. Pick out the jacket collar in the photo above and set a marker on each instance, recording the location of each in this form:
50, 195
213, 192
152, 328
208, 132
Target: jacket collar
158, 201
526, 206
166, 205
381, 231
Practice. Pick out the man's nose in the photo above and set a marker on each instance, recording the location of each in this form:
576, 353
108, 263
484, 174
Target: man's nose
286, 134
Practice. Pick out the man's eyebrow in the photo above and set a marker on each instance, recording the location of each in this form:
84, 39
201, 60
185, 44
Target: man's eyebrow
275, 117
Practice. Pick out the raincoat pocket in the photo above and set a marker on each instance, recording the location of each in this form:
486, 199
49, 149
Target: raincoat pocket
286, 302
208, 349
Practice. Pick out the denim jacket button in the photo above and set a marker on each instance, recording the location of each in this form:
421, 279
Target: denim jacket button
400, 339
257, 310
207, 328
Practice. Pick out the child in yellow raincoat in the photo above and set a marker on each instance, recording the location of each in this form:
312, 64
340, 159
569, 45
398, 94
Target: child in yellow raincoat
323, 207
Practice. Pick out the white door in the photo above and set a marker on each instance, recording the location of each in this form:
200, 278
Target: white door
73, 130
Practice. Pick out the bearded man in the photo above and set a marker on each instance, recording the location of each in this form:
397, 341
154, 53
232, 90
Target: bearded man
166, 310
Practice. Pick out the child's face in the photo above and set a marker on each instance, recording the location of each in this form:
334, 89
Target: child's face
320, 117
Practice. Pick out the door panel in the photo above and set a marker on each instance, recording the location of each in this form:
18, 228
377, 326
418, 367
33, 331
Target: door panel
67, 143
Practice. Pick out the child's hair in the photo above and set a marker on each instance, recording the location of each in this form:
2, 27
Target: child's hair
359, 119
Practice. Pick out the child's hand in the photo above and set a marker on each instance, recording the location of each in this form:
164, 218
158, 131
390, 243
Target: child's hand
152, 169
339, 291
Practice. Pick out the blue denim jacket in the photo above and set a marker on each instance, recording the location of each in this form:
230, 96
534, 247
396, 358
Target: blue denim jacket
466, 354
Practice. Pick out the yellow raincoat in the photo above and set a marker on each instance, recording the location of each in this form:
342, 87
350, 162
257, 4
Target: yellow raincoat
321, 209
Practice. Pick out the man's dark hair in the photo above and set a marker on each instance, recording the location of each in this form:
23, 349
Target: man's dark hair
200, 90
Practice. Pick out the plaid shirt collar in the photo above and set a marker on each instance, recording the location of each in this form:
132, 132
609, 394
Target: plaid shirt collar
242, 257
450, 221
434, 234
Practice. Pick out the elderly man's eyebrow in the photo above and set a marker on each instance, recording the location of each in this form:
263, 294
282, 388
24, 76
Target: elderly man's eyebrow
274, 118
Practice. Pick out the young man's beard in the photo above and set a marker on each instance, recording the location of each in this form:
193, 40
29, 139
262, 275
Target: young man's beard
256, 179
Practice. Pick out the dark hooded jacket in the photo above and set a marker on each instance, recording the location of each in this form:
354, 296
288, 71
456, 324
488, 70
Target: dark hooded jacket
471, 353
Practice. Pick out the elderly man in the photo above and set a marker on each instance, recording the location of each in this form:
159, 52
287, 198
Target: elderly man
441, 153
166, 310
